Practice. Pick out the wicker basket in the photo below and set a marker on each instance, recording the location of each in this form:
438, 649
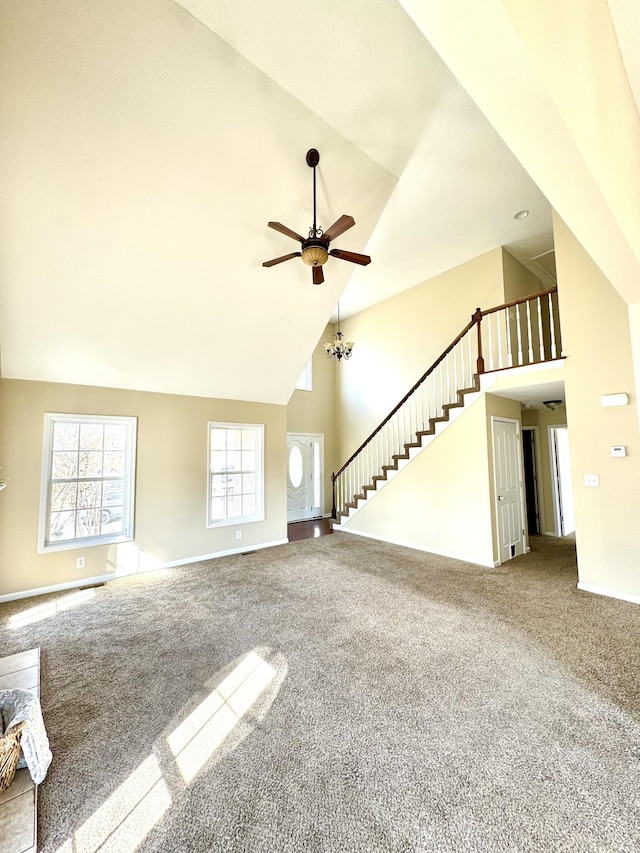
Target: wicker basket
10, 754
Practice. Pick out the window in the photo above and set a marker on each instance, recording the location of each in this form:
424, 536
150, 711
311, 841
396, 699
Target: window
87, 481
235, 473
304, 382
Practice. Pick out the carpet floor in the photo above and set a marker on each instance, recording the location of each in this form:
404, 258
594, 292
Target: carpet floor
339, 694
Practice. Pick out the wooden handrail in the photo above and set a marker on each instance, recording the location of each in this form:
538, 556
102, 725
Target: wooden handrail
518, 301
426, 375
475, 320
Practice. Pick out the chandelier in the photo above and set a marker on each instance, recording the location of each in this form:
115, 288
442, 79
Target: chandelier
337, 349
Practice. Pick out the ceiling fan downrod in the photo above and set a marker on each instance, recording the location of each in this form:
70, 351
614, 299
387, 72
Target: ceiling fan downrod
313, 158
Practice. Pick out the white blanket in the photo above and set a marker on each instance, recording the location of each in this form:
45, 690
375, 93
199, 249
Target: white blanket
19, 705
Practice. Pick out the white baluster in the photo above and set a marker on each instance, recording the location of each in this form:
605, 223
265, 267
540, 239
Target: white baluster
540, 334
519, 330
529, 331
553, 329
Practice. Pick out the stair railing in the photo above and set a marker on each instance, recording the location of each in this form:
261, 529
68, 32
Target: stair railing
526, 331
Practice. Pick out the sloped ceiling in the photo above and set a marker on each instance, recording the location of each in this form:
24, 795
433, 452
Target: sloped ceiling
144, 147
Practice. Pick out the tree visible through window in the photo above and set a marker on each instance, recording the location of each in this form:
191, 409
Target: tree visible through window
87, 490
235, 473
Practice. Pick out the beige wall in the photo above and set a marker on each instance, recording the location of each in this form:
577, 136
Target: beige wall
441, 501
518, 280
315, 411
171, 480
397, 340
597, 343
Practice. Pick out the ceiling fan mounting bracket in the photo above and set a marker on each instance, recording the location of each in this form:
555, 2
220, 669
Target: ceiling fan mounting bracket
313, 157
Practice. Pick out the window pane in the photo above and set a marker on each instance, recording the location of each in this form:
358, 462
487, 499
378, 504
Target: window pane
248, 504
89, 495
234, 460
248, 460
218, 439
90, 464
248, 439
88, 522
65, 436
61, 526
248, 484
91, 436
64, 465
63, 496
114, 463
112, 524
218, 485
115, 437
234, 483
234, 506
219, 460
234, 439
295, 466
218, 509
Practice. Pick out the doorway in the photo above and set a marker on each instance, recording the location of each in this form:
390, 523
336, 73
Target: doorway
532, 479
305, 476
561, 480
507, 460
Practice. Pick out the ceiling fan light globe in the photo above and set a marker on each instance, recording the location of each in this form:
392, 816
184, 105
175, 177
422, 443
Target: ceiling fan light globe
315, 256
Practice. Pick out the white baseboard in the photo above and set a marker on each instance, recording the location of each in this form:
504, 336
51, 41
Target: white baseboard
415, 547
60, 587
243, 550
609, 593
56, 587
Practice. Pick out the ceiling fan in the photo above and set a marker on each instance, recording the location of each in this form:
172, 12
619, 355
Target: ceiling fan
315, 247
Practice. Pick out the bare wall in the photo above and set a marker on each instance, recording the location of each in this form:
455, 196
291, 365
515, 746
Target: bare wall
171, 479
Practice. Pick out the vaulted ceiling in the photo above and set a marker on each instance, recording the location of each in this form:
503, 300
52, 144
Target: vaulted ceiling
144, 148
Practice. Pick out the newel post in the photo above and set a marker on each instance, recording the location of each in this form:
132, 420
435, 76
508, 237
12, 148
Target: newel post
334, 514
477, 319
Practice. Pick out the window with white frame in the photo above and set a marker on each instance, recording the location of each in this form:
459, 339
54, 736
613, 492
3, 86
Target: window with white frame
87, 490
304, 382
236, 473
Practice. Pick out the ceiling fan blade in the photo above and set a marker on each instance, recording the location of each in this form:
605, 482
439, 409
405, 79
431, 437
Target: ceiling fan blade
354, 257
318, 275
339, 227
275, 261
278, 226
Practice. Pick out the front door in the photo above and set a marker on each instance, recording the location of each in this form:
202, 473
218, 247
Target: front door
508, 482
304, 476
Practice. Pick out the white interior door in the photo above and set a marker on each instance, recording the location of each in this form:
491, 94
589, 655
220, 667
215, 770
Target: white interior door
305, 472
508, 482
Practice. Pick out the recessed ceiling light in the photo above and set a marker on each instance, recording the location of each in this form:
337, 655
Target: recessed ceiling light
521, 214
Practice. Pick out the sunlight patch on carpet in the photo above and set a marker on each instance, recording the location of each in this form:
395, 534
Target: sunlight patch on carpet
124, 819
196, 739
51, 608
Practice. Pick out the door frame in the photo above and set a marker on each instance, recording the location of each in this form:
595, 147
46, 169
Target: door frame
320, 438
558, 512
496, 507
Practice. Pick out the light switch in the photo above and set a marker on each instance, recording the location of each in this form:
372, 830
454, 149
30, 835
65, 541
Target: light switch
592, 480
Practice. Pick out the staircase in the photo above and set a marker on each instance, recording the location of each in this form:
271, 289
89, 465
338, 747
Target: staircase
523, 332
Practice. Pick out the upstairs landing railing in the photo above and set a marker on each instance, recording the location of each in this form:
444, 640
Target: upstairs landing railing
523, 332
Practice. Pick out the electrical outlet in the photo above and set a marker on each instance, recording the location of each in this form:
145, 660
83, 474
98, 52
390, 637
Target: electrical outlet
79, 562
238, 534
592, 480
